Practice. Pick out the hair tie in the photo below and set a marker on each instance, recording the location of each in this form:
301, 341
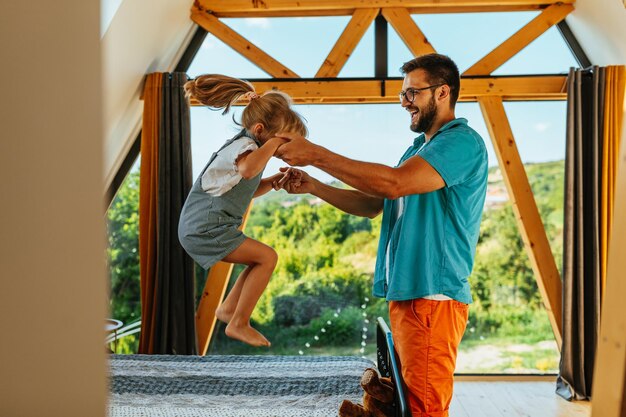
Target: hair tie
251, 95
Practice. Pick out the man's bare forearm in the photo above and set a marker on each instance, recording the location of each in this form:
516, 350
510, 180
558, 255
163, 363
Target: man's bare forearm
371, 178
349, 201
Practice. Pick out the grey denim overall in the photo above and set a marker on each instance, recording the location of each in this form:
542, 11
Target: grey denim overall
208, 225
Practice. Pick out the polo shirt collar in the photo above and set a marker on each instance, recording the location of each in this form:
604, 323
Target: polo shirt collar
452, 123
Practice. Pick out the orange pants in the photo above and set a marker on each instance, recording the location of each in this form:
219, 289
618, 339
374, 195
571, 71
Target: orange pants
426, 335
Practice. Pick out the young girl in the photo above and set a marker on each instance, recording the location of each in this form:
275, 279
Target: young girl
214, 209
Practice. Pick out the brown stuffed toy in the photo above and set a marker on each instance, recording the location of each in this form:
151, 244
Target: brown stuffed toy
377, 400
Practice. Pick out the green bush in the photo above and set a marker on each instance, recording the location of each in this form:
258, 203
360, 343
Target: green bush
344, 329
292, 310
527, 325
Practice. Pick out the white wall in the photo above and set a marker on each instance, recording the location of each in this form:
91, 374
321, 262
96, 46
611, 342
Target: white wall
600, 28
52, 275
144, 36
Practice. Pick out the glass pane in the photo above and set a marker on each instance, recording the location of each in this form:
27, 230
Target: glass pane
474, 34
216, 57
477, 34
508, 329
548, 54
320, 291
540, 130
361, 62
294, 42
123, 258
326, 258
397, 53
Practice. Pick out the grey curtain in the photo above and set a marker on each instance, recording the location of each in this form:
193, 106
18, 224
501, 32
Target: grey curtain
581, 246
174, 324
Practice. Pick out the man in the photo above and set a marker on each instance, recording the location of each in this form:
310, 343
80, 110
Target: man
432, 204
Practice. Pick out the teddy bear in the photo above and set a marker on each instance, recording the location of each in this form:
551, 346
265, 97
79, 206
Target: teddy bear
378, 398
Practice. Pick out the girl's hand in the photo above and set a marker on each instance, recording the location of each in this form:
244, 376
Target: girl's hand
274, 179
280, 179
296, 181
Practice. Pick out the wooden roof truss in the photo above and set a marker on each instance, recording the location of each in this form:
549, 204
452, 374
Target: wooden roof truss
326, 88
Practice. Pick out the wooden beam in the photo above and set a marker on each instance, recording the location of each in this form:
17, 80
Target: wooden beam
408, 31
548, 87
341, 91
212, 296
281, 8
522, 38
525, 208
462, 8
349, 39
609, 376
240, 44
412, 10
287, 13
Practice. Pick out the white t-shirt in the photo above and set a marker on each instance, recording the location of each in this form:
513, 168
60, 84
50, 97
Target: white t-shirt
222, 174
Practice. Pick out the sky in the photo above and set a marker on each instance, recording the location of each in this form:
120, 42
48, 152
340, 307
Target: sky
380, 132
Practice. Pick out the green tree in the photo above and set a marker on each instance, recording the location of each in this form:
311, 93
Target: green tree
123, 251
326, 264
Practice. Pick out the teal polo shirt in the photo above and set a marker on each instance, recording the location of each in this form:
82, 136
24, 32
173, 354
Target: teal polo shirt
428, 241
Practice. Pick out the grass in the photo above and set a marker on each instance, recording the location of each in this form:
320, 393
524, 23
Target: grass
512, 355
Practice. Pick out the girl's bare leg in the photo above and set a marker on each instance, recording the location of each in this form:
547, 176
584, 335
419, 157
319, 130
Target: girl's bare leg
226, 310
261, 261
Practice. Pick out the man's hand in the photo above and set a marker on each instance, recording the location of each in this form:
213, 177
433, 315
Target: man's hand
295, 181
277, 142
274, 179
298, 151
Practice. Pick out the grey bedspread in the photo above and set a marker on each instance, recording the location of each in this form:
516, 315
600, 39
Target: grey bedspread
225, 386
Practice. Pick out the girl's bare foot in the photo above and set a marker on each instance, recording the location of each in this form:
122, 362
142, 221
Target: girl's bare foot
223, 314
246, 334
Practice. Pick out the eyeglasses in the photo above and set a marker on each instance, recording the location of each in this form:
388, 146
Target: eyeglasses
410, 93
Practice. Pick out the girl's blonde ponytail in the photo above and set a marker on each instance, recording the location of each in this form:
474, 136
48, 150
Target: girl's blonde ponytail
217, 91
272, 109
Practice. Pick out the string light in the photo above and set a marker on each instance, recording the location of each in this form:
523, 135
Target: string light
364, 329
329, 324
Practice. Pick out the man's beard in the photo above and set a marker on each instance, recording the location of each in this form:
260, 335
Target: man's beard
426, 117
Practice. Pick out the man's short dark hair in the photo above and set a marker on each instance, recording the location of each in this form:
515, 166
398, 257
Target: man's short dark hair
440, 69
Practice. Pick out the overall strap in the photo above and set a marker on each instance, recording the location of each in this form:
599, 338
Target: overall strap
241, 134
